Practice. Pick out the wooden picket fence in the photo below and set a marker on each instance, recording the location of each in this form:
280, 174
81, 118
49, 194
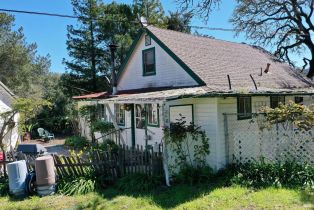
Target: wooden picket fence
111, 165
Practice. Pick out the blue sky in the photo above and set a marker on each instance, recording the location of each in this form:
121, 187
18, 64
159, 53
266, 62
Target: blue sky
50, 32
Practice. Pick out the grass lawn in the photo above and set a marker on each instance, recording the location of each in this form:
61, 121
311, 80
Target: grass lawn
177, 197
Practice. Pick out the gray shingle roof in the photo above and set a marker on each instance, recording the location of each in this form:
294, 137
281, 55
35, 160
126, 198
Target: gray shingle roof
212, 60
6, 96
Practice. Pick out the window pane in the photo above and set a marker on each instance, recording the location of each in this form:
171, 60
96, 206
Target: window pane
152, 114
139, 116
120, 115
244, 108
149, 61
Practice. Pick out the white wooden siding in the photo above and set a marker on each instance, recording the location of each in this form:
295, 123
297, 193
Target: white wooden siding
185, 111
168, 72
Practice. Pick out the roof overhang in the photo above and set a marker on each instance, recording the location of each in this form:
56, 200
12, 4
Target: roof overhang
93, 96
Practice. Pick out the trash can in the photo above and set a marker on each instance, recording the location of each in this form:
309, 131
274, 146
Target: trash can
45, 175
17, 172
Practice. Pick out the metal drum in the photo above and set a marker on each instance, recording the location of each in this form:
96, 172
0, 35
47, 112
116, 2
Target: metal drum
17, 172
45, 175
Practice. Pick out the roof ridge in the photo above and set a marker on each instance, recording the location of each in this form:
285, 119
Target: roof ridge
7, 89
199, 36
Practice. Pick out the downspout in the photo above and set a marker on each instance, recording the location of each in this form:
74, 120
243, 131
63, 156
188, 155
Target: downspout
165, 151
113, 48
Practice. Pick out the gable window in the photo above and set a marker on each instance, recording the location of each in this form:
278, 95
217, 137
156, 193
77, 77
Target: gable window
139, 116
298, 100
244, 108
148, 40
153, 115
149, 65
120, 114
276, 100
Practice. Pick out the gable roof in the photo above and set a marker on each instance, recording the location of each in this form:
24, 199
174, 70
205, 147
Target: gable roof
209, 61
6, 95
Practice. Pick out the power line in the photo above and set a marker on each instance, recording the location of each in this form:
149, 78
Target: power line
120, 21
61, 15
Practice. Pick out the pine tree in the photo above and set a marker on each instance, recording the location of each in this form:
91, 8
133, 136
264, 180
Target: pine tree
152, 10
86, 65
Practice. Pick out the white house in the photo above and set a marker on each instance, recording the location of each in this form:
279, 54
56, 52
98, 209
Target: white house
168, 73
6, 100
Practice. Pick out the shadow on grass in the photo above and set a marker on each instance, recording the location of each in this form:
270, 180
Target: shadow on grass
307, 196
166, 197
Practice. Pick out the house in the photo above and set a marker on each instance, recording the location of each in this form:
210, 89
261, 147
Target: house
6, 100
168, 73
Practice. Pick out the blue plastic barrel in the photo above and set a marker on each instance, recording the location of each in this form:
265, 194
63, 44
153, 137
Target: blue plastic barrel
17, 172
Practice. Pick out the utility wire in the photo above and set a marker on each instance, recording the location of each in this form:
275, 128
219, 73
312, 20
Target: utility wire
120, 21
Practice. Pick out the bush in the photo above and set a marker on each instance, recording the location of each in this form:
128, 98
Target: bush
102, 127
108, 146
77, 186
262, 174
77, 142
194, 175
4, 186
139, 183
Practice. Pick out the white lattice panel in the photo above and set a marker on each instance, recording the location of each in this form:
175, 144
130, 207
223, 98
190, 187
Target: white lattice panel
274, 145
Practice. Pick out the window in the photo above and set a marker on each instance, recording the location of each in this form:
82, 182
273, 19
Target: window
153, 115
276, 100
101, 110
149, 67
139, 116
148, 40
298, 100
120, 115
244, 108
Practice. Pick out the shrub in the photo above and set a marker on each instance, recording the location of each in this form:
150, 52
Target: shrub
108, 146
4, 186
102, 127
262, 174
76, 142
194, 175
77, 186
139, 182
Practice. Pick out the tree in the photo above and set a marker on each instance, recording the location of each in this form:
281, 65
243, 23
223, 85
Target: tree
21, 69
86, 50
26, 108
118, 26
152, 10
286, 25
203, 8
179, 21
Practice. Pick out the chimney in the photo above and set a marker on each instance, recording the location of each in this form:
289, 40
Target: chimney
267, 68
113, 48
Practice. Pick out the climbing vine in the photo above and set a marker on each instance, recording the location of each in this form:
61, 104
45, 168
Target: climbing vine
189, 143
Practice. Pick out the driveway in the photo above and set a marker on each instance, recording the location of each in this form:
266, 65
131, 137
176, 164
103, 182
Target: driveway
55, 146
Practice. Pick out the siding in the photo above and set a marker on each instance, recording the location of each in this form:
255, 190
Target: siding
168, 72
205, 115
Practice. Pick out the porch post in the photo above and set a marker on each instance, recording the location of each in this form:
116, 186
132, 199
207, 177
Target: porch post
165, 123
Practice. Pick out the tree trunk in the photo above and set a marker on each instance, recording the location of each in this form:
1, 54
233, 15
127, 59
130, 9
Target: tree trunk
311, 70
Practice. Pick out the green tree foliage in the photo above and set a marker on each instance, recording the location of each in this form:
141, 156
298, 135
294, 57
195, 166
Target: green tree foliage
152, 10
179, 21
21, 69
27, 109
61, 117
87, 62
119, 25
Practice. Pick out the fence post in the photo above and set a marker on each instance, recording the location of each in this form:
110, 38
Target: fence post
226, 131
